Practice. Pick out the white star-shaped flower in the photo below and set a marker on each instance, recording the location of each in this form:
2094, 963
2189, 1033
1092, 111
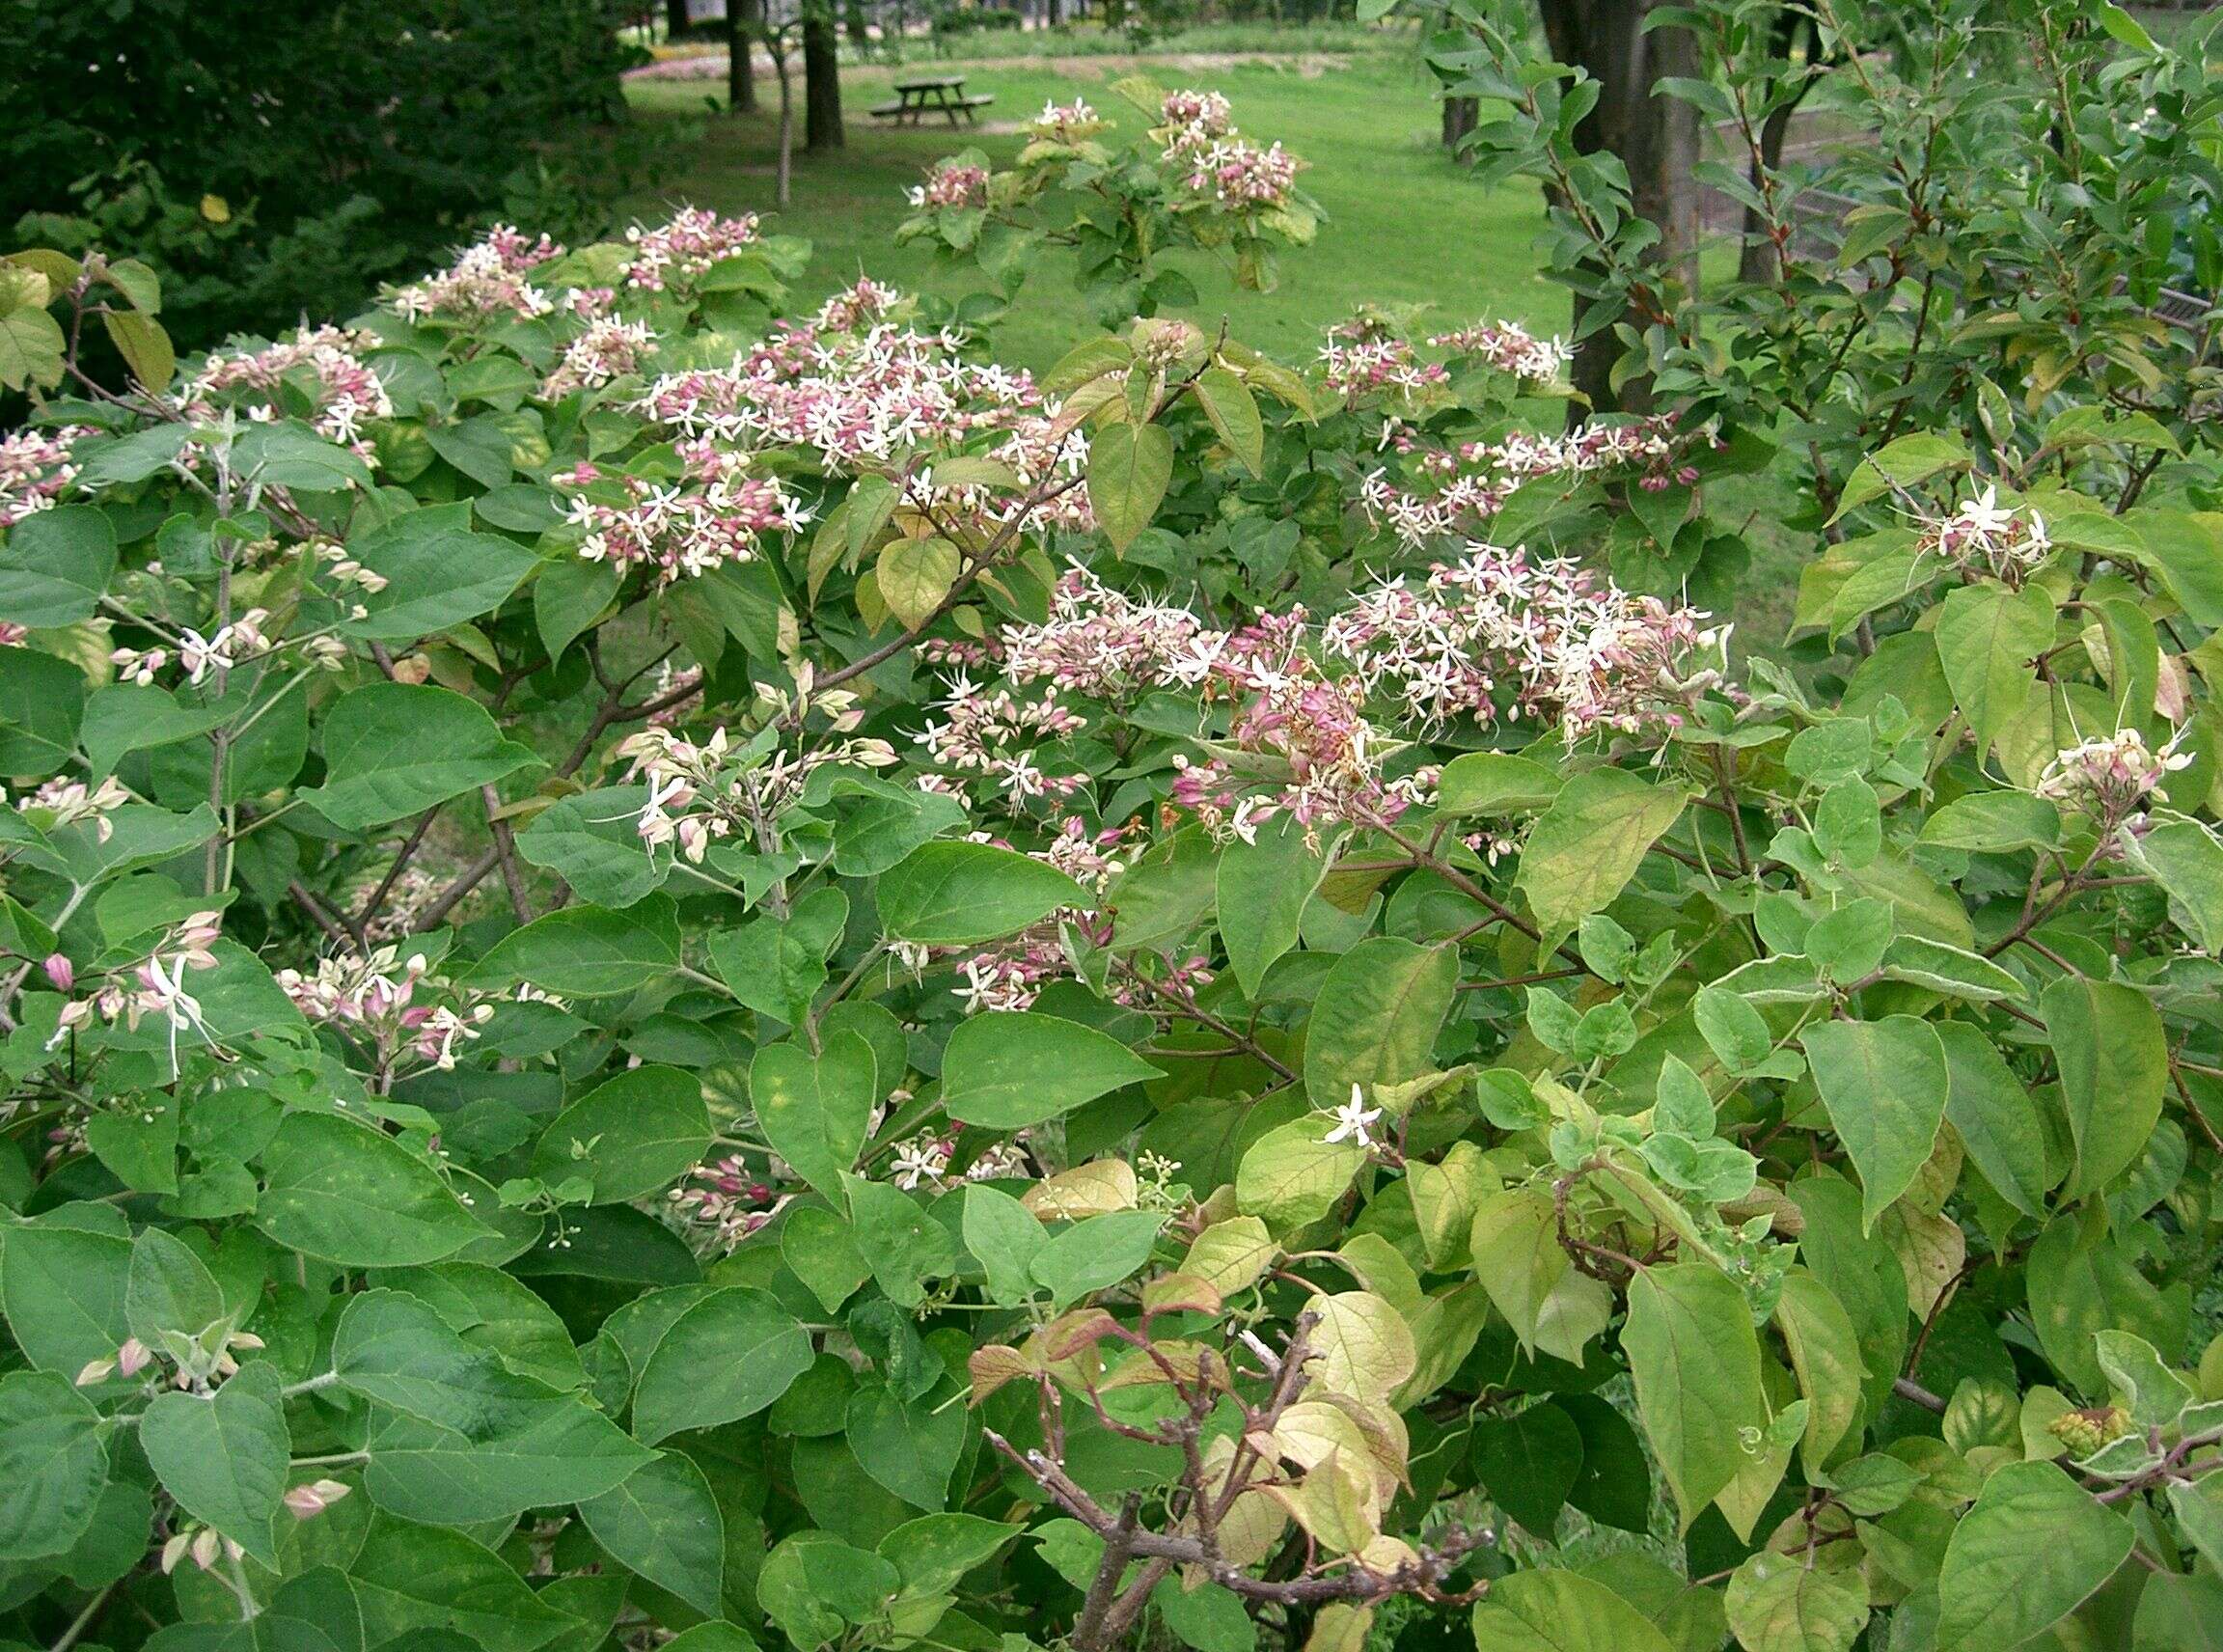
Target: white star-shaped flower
1352, 1121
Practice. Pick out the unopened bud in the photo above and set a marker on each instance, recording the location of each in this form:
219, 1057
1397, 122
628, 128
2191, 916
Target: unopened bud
313, 1500
204, 1547
412, 669
174, 1552
59, 970
2086, 1431
95, 1371
133, 1357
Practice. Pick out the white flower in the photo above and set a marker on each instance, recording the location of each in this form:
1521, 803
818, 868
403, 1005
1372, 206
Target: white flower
1352, 1121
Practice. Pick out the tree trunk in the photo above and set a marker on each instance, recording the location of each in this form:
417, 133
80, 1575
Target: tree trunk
676, 24
1757, 261
1657, 140
853, 20
1460, 114
821, 80
741, 55
784, 170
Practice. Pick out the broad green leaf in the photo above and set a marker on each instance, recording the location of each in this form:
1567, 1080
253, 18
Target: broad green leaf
1293, 1175
2114, 1060
776, 964
816, 1110
1261, 889
821, 1252
414, 1579
914, 577
349, 1194
1005, 1237
1696, 1364
587, 952
1825, 1351
41, 710
1884, 1083
1585, 848
568, 597
1377, 1016
438, 573
1528, 1462
663, 1522
493, 1310
52, 1462
632, 1137
1554, 1610
1987, 637
2080, 1283
394, 749
902, 1243
813, 1587
225, 1456
1783, 1603
1996, 822
1233, 412
2186, 859
2033, 1547
911, 1448
1129, 467
1552, 1306
953, 894
171, 1300
1494, 783
63, 1290
1996, 1118
592, 842
1095, 1254
935, 1549
55, 565
727, 1357
2155, 1394
1009, 1070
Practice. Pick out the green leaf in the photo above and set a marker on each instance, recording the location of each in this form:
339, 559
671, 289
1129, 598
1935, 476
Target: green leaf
1129, 467
954, 895
820, 1251
592, 842
419, 1579
2186, 859
587, 952
1825, 1351
1987, 637
727, 1357
902, 1245
225, 1456
914, 577
1292, 1175
663, 1522
1007, 1071
1528, 1462
911, 1448
1995, 1118
1494, 783
1551, 1306
52, 1462
1696, 1364
1261, 890
41, 709
1005, 1237
348, 1193
1560, 1612
935, 1549
394, 749
1585, 848
632, 1136
64, 1288
1095, 1254
1233, 412
815, 1110
1734, 1031
1901, 463
1782, 1603
2033, 1547
171, 1299
775, 965
1996, 822
813, 1586
55, 566
2155, 1394
568, 597
33, 348
2114, 1059
1377, 1016
1884, 1083
438, 573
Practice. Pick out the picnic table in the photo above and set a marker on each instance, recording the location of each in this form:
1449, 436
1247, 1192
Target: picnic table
918, 96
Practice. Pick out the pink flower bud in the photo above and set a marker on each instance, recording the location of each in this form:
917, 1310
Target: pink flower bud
59, 970
133, 1357
94, 1371
204, 1547
174, 1552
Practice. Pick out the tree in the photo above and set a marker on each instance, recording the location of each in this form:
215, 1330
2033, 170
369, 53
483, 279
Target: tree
821, 78
1655, 137
741, 54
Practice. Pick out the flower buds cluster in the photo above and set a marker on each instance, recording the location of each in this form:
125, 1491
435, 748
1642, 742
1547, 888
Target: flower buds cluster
683, 250
377, 997
487, 278
36, 469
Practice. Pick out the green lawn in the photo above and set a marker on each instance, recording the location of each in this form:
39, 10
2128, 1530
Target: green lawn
1405, 223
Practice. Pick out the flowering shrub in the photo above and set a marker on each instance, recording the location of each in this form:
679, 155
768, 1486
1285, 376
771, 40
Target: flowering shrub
679, 975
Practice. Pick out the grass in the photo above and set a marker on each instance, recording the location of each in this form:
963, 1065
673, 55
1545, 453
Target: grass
1405, 223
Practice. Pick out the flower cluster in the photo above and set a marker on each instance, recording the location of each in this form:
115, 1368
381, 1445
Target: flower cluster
36, 469
324, 364
63, 801
923, 1162
727, 1198
1066, 122
242, 640
2112, 775
1216, 162
1985, 537
714, 512
376, 998
487, 278
1501, 634
608, 349
950, 183
1509, 347
155, 987
701, 791
1460, 488
683, 250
